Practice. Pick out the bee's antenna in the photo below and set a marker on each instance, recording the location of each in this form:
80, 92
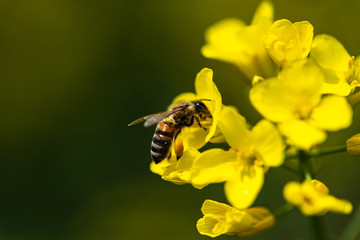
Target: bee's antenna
204, 99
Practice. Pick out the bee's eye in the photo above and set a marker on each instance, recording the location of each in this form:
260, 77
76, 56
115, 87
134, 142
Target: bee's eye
200, 105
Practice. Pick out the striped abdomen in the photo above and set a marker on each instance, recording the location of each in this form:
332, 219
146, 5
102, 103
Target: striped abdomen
162, 140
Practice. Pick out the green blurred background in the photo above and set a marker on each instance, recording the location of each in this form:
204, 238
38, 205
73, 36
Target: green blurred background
74, 73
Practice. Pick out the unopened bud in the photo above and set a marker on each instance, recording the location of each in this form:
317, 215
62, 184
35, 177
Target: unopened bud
353, 145
354, 98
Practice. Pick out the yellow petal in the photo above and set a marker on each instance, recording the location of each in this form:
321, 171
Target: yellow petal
291, 193
306, 33
262, 220
218, 137
206, 226
287, 42
302, 134
330, 54
206, 89
179, 173
270, 100
231, 41
293, 94
193, 136
340, 87
333, 113
335, 205
304, 81
321, 187
264, 10
213, 166
161, 167
220, 218
222, 40
336, 62
250, 37
242, 191
214, 207
234, 128
269, 143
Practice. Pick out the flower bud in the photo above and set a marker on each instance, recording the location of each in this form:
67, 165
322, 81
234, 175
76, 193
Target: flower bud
287, 42
354, 98
353, 145
220, 218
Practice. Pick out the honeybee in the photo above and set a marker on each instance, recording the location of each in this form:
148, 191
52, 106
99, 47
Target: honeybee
170, 123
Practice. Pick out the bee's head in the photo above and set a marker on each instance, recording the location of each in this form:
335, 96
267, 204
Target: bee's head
201, 109
200, 106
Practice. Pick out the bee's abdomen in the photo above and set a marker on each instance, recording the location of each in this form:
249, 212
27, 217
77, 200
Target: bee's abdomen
162, 141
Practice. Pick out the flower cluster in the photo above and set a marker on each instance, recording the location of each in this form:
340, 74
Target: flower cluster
302, 86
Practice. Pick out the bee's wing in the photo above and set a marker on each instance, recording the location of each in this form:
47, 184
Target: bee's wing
152, 118
155, 118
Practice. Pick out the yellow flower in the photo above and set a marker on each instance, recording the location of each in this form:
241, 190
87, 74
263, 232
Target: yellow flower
207, 91
192, 138
312, 198
341, 69
220, 218
353, 145
232, 41
242, 167
294, 101
177, 171
287, 42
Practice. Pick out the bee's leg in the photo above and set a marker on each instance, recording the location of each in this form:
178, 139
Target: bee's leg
177, 133
191, 122
198, 121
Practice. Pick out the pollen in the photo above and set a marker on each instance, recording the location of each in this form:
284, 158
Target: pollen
179, 147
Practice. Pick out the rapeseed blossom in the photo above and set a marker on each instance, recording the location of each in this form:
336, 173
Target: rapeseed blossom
312, 198
341, 69
231, 40
302, 86
243, 166
220, 218
286, 42
294, 101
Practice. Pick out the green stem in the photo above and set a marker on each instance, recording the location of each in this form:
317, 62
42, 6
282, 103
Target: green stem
305, 170
315, 223
317, 228
319, 152
291, 156
283, 210
290, 169
327, 151
353, 228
